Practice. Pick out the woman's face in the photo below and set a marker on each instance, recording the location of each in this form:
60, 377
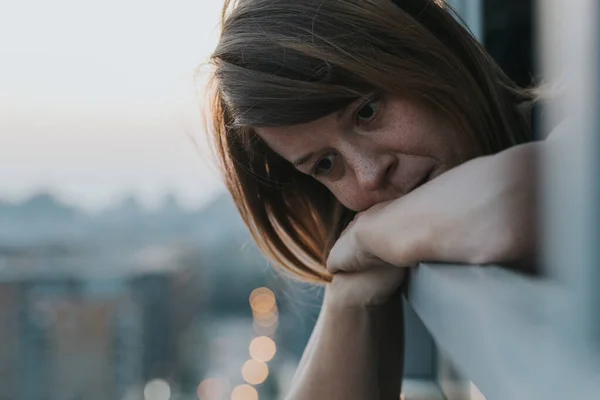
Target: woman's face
374, 150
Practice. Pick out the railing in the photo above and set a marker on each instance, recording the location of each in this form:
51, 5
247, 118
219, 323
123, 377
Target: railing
496, 329
519, 337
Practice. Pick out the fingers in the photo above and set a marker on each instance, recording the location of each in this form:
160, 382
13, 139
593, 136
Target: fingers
347, 256
348, 253
342, 256
339, 259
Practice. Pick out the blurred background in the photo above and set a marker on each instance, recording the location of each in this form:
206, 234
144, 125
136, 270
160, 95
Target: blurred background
125, 271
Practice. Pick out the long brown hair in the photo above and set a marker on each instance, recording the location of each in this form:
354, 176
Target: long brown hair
286, 62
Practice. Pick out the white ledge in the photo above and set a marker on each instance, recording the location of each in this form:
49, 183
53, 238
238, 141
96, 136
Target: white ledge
497, 328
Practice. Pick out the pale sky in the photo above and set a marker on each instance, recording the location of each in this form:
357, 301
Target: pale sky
97, 100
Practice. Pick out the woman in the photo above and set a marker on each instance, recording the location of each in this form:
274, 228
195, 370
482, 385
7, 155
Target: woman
360, 136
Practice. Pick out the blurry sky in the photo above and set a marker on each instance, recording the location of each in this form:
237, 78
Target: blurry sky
97, 100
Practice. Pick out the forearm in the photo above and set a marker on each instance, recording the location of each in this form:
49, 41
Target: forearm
481, 212
354, 353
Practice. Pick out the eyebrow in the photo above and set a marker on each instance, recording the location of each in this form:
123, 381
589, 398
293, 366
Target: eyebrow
301, 160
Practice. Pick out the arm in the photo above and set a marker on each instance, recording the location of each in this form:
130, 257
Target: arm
483, 211
356, 349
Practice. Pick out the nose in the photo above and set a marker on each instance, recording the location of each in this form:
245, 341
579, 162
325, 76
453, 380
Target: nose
373, 173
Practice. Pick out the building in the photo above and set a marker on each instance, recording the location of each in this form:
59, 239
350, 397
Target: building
69, 333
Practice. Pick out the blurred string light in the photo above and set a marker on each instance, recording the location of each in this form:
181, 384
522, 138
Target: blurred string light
262, 349
262, 300
157, 389
255, 372
264, 311
267, 319
210, 389
264, 330
244, 392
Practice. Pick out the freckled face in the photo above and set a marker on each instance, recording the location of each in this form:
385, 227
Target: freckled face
376, 149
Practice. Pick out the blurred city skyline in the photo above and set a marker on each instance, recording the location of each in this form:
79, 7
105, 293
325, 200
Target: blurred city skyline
100, 101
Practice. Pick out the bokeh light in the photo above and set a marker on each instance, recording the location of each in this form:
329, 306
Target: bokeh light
261, 291
244, 392
210, 389
264, 330
267, 319
262, 349
262, 300
264, 310
255, 372
157, 389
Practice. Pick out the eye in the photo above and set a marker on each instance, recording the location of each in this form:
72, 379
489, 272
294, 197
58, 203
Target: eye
367, 112
324, 165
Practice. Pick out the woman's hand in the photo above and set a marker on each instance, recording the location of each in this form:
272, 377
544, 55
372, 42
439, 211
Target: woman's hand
368, 280
349, 253
480, 212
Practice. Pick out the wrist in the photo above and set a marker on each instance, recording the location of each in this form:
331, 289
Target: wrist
372, 288
338, 299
